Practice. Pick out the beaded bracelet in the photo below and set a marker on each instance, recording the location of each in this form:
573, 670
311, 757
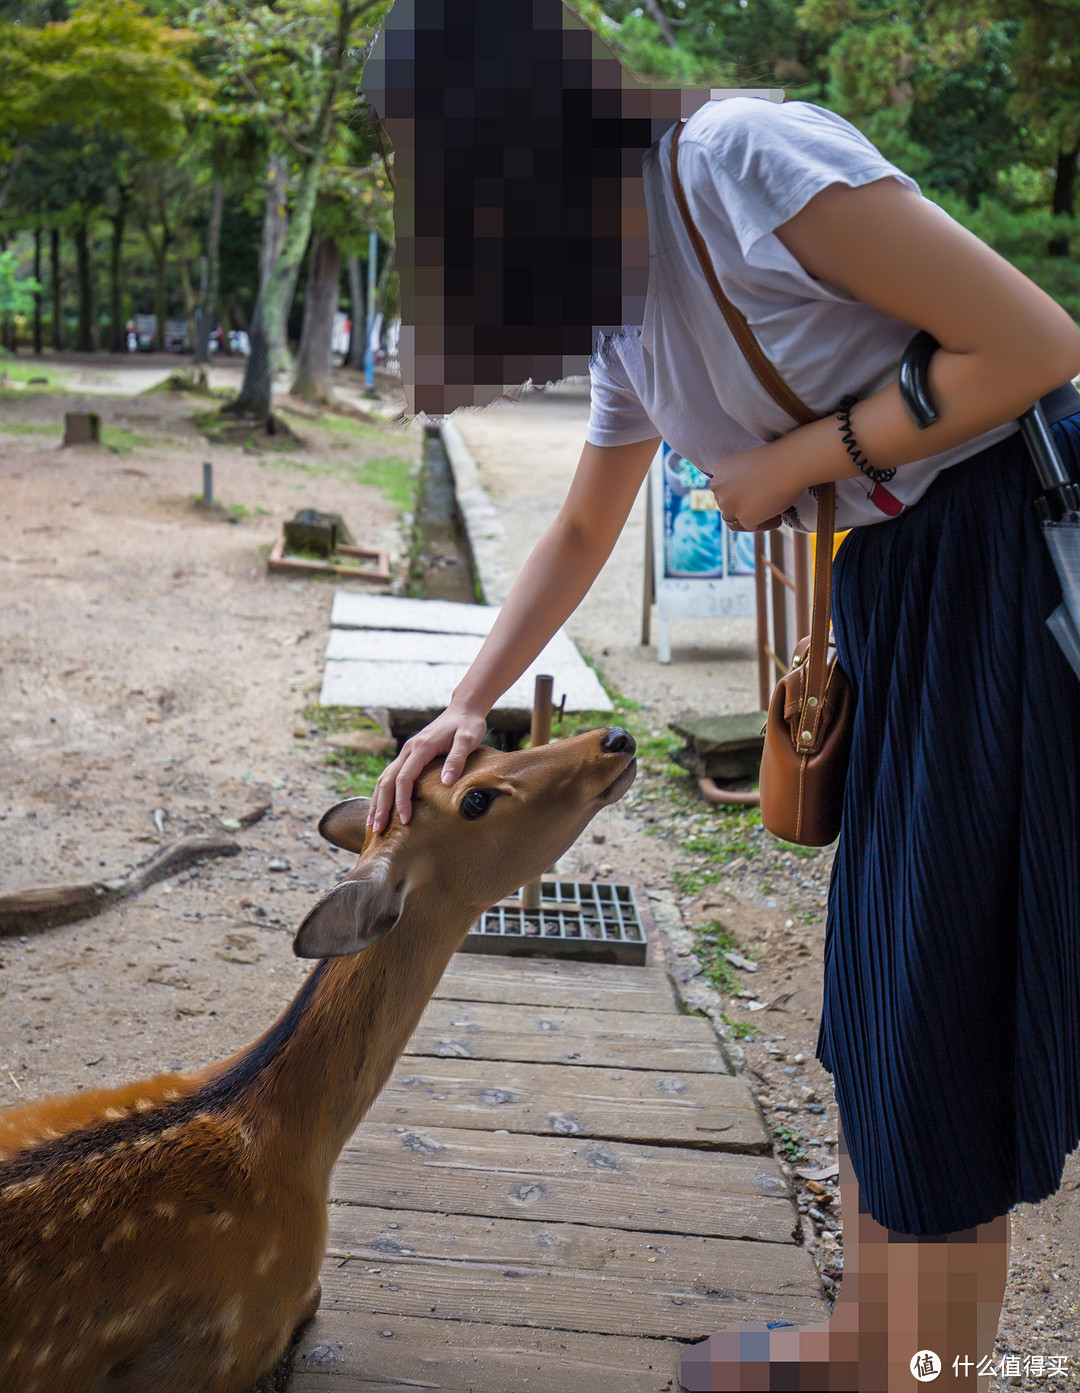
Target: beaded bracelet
876, 476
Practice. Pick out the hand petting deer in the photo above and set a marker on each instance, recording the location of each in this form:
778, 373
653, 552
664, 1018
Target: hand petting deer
166, 1237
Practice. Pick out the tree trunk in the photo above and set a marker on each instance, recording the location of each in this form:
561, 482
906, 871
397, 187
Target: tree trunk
95, 304
662, 22
270, 309
161, 304
57, 293
117, 330
356, 304
275, 298
84, 339
37, 293
271, 314
208, 308
313, 363
275, 228
235, 313
188, 294
275, 218
1064, 196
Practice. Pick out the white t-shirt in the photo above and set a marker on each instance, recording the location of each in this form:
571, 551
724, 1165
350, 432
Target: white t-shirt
747, 165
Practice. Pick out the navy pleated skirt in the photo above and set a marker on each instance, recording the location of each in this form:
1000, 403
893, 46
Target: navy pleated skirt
951, 1012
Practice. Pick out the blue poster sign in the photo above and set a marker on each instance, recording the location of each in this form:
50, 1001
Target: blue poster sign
698, 544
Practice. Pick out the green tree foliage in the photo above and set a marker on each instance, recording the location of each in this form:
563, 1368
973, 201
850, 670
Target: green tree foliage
165, 102
294, 68
16, 293
979, 100
109, 66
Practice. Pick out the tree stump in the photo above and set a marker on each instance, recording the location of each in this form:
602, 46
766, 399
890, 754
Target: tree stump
82, 428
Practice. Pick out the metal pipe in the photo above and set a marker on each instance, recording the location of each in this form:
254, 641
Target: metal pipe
539, 734
713, 793
765, 684
369, 352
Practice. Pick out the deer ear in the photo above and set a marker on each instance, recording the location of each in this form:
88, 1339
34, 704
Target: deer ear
351, 917
345, 825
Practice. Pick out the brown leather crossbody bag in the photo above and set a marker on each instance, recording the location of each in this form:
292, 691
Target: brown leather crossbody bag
808, 731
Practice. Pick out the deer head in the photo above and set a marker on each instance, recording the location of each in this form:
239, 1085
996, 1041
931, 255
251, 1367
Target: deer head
508, 818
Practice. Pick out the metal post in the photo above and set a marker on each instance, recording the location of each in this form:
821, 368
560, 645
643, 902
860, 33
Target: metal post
208, 484
539, 734
650, 577
801, 542
765, 675
369, 352
781, 647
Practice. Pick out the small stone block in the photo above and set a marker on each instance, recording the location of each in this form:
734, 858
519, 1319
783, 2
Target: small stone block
82, 428
307, 532
714, 734
364, 742
721, 747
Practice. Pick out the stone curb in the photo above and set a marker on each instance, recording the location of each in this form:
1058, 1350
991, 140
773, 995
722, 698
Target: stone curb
479, 515
683, 969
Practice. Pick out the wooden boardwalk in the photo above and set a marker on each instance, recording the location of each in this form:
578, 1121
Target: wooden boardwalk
559, 1187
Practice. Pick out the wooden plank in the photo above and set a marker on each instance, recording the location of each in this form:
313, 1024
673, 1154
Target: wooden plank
616, 1184
352, 1354
550, 982
560, 1276
524, 1018
280, 563
557, 1035
712, 1111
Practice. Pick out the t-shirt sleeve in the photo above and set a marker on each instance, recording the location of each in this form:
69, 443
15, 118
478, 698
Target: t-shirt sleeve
616, 415
758, 162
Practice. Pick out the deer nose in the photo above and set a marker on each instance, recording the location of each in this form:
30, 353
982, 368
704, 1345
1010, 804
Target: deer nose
618, 742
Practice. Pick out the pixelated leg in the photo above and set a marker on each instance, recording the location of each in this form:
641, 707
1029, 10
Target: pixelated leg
898, 1297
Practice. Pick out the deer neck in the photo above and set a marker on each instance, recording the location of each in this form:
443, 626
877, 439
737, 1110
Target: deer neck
357, 1022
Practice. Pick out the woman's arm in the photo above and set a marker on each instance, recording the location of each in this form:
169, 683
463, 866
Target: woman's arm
1004, 342
552, 583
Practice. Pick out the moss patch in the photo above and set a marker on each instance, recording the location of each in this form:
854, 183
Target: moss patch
352, 775
713, 940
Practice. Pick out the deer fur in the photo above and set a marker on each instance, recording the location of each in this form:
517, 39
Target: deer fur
166, 1236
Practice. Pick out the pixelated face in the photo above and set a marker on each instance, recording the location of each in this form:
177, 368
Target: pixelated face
519, 206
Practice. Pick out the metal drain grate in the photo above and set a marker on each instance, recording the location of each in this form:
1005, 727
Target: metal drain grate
581, 920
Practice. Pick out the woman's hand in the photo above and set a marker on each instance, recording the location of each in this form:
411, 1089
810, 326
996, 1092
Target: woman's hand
456, 733
551, 584
751, 492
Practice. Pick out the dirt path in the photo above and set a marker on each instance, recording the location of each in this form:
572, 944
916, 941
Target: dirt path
153, 669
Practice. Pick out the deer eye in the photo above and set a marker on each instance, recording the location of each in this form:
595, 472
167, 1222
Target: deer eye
476, 803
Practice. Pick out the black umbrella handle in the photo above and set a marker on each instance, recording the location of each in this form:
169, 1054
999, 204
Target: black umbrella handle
1060, 494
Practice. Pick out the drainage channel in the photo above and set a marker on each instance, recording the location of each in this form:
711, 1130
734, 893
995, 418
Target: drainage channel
587, 922
441, 567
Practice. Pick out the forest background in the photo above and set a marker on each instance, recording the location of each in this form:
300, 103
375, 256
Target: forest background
213, 163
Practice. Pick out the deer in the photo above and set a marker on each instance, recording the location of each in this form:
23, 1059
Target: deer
166, 1236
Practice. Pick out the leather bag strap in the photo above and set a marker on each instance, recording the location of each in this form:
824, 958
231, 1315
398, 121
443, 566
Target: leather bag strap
764, 370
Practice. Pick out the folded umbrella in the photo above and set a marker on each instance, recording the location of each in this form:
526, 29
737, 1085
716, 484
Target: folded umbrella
1057, 507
